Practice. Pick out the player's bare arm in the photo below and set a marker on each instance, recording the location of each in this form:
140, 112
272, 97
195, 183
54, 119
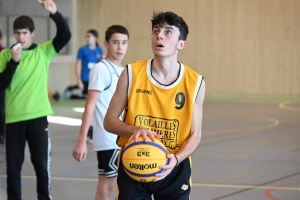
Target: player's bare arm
80, 149
191, 144
117, 104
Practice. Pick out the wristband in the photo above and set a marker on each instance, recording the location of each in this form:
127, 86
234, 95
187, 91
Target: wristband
176, 160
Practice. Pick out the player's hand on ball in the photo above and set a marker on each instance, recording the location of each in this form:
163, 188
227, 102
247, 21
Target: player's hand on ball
144, 133
167, 168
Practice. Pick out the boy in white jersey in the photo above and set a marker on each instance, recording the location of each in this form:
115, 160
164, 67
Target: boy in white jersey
103, 81
175, 95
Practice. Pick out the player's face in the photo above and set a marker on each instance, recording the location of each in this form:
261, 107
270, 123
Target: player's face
90, 39
117, 45
165, 40
24, 36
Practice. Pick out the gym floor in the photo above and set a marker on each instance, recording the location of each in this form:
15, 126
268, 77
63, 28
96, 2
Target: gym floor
250, 150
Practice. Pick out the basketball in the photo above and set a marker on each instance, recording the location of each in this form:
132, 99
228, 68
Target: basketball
141, 160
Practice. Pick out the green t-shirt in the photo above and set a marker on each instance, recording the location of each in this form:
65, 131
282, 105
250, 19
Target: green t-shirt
27, 95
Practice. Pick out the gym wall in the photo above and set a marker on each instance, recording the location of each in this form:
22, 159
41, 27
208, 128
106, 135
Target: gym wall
244, 48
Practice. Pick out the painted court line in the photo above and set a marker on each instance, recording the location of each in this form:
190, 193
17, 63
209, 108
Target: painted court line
193, 184
285, 105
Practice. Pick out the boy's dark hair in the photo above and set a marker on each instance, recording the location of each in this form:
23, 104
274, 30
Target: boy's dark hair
159, 18
0, 34
115, 29
24, 22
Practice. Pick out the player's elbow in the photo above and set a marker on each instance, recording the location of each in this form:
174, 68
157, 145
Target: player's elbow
197, 137
106, 124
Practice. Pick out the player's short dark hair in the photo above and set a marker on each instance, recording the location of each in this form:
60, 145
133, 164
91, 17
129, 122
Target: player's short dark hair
170, 18
115, 29
24, 22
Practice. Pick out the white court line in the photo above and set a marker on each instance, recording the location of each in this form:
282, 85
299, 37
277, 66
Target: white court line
193, 184
64, 120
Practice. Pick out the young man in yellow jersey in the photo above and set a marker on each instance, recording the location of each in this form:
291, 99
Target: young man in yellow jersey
163, 100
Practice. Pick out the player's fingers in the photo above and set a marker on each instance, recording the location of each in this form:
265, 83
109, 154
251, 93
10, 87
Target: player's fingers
158, 179
131, 138
77, 156
165, 167
83, 157
42, 2
145, 136
157, 136
19, 50
80, 157
162, 175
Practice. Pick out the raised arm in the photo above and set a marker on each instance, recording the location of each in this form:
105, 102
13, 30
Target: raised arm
63, 33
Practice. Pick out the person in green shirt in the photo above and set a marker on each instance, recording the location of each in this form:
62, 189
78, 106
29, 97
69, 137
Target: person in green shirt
2, 96
26, 102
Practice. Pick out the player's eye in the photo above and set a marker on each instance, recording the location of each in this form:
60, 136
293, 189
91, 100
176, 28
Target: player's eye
168, 32
155, 31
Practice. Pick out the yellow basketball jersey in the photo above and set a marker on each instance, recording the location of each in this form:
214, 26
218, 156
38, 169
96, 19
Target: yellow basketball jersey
164, 109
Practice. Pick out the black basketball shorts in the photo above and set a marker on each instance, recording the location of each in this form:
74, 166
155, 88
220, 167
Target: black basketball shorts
175, 186
107, 162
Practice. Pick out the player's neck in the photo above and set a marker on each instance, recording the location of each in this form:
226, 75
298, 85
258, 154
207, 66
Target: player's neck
114, 61
165, 70
165, 65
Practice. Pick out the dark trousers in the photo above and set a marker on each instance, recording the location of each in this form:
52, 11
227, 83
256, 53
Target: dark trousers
175, 186
35, 132
2, 113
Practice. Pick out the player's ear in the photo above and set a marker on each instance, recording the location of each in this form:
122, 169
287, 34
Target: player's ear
33, 33
105, 44
181, 44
